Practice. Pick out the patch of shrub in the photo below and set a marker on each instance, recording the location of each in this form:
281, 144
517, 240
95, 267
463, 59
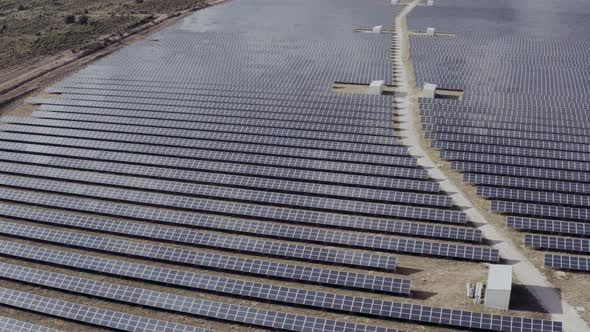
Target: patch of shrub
83, 19
70, 19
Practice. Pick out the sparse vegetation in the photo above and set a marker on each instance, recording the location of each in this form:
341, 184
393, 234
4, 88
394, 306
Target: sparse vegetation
33, 28
83, 19
70, 19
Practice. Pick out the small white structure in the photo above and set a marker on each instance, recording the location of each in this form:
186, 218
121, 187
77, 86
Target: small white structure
378, 29
376, 87
429, 2
430, 31
429, 90
394, 2
499, 286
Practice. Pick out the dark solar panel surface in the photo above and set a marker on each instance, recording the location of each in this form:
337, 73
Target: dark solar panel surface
558, 243
181, 304
203, 259
521, 132
217, 157
566, 262
90, 315
9, 324
272, 319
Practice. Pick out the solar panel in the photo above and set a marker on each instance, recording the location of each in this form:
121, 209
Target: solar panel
8, 324
193, 156
193, 149
521, 171
179, 303
233, 243
204, 86
459, 112
389, 244
296, 233
477, 123
225, 121
352, 105
360, 114
507, 114
193, 114
402, 311
557, 243
550, 211
306, 252
231, 208
187, 170
575, 263
536, 184
88, 314
204, 259
215, 186
516, 161
508, 133
494, 140
80, 85
186, 138
299, 104
548, 226
511, 151
198, 92
319, 99
203, 282
534, 196
521, 130
160, 215
222, 120
308, 134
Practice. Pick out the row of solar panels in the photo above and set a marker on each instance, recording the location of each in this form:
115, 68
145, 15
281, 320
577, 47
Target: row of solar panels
502, 115
85, 171
206, 192
520, 131
541, 185
81, 84
222, 311
82, 156
388, 244
163, 179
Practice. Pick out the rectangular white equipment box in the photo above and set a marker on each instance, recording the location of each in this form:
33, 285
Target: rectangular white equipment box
378, 29
376, 87
429, 2
430, 31
429, 90
499, 286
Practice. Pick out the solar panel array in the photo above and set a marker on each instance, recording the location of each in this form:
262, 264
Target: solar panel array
272, 319
9, 324
214, 161
88, 314
520, 132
